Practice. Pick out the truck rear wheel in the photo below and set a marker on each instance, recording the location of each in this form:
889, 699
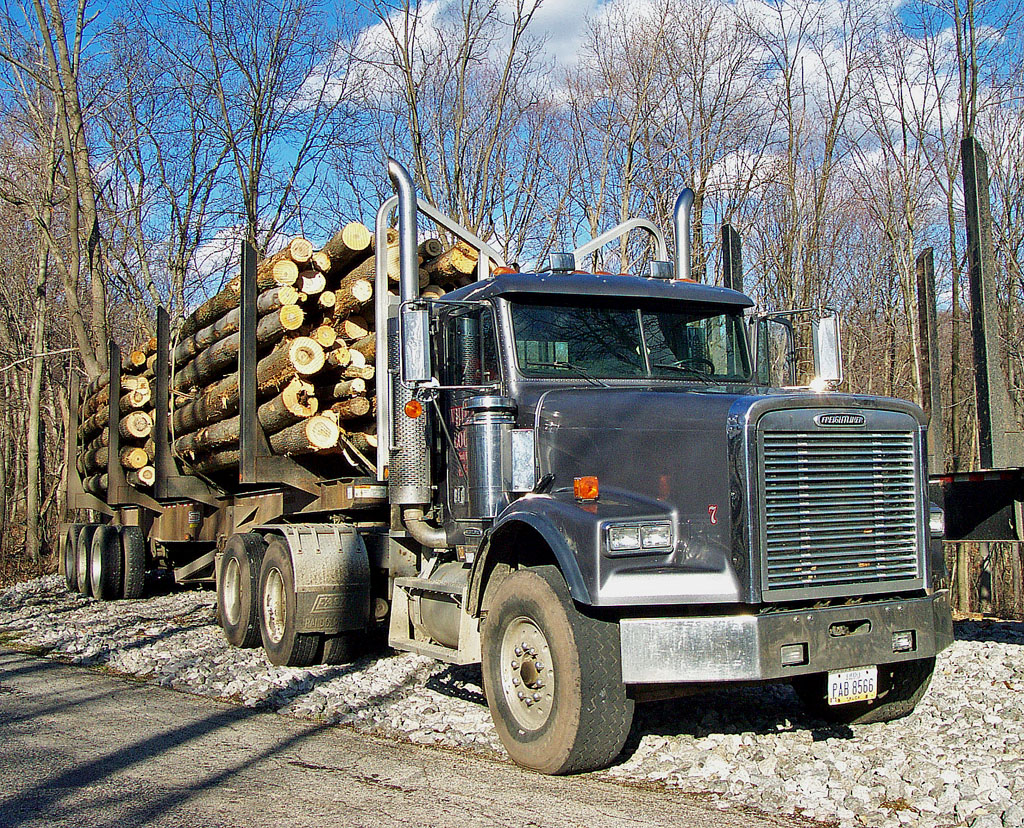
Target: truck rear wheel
343, 648
83, 547
900, 687
238, 588
284, 646
133, 561
105, 563
69, 556
553, 676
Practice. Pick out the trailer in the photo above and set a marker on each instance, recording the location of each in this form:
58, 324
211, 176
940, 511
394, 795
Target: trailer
580, 483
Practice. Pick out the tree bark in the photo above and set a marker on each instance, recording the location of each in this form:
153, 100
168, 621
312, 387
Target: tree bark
313, 434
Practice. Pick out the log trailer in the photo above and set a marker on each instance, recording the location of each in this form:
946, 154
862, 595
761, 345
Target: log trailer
583, 484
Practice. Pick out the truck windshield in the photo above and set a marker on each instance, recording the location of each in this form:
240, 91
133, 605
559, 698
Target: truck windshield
610, 339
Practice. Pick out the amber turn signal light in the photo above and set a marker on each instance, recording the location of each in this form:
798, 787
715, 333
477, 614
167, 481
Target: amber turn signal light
585, 488
413, 409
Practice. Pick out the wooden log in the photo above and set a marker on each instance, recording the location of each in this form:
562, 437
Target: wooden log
139, 398
269, 301
300, 250
325, 335
212, 309
275, 298
367, 346
299, 356
99, 441
457, 261
321, 261
96, 383
343, 389
135, 383
296, 402
133, 457
137, 358
95, 423
432, 292
223, 353
285, 272
363, 441
143, 478
137, 424
310, 435
338, 356
351, 295
355, 327
364, 372
211, 437
96, 485
92, 404
94, 460
429, 249
326, 300
351, 409
149, 346
217, 461
356, 358
312, 282
349, 246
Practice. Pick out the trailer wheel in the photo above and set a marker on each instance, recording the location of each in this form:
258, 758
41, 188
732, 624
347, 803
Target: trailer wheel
284, 646
553, 676
83, 546
68, 556
133, 561
238, 587
343, 648
900, 687
105, 563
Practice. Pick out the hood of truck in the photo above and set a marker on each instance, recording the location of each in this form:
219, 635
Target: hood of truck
673, 455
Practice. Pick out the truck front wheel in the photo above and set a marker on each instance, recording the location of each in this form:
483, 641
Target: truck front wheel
553, 676
900, 687
284, 646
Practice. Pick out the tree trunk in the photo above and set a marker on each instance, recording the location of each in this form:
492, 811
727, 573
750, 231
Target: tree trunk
310, 435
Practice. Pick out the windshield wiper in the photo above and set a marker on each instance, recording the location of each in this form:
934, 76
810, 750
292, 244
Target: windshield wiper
581, 372
687, 369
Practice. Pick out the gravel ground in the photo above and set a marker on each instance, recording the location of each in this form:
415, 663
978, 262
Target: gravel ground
958, 760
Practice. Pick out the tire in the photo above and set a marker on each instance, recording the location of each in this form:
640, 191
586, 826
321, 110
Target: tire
343, 648
284, 646
900, 687
83, 547
105, 563
573, 663
68, 556
238, 588
133, 562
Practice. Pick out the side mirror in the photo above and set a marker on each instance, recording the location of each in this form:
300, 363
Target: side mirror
828, 358
415, 342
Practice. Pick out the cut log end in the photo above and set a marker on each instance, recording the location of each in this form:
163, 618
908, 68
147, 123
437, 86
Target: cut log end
306, 356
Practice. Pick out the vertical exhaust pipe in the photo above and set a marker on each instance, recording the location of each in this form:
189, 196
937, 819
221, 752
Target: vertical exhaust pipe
409, 285
681, 224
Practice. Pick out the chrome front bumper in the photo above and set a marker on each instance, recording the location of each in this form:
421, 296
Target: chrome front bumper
748, 647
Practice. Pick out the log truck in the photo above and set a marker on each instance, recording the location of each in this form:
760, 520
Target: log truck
585, 483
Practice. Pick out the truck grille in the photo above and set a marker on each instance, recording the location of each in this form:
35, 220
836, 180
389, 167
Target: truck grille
840, 509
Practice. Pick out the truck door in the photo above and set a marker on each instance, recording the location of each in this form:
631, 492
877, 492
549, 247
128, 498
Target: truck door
469, 361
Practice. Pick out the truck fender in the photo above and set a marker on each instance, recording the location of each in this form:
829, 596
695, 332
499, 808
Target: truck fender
332, 576
531, 512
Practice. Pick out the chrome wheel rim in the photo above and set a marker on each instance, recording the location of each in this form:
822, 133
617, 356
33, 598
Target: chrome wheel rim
232, 591
96, 566
527, 676
82, 565
274, 607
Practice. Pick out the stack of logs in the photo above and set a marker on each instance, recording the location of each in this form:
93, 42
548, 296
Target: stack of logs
315, 374
135, 424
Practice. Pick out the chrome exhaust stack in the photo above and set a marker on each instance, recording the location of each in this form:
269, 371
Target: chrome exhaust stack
681, 224
409, 470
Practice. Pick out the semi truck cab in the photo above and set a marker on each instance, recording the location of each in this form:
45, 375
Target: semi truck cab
618, 507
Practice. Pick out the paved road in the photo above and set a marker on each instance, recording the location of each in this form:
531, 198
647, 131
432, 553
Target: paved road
80, 748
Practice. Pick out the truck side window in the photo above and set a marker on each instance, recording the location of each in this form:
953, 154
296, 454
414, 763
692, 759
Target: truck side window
471, 349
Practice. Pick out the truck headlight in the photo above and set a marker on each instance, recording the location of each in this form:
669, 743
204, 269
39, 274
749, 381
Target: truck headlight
634, 537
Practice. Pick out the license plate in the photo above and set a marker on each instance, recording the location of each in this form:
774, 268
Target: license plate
845, 686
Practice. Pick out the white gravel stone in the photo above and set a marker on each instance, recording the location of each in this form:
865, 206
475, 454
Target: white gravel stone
959, 759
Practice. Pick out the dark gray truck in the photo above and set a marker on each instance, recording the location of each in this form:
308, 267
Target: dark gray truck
584, 483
